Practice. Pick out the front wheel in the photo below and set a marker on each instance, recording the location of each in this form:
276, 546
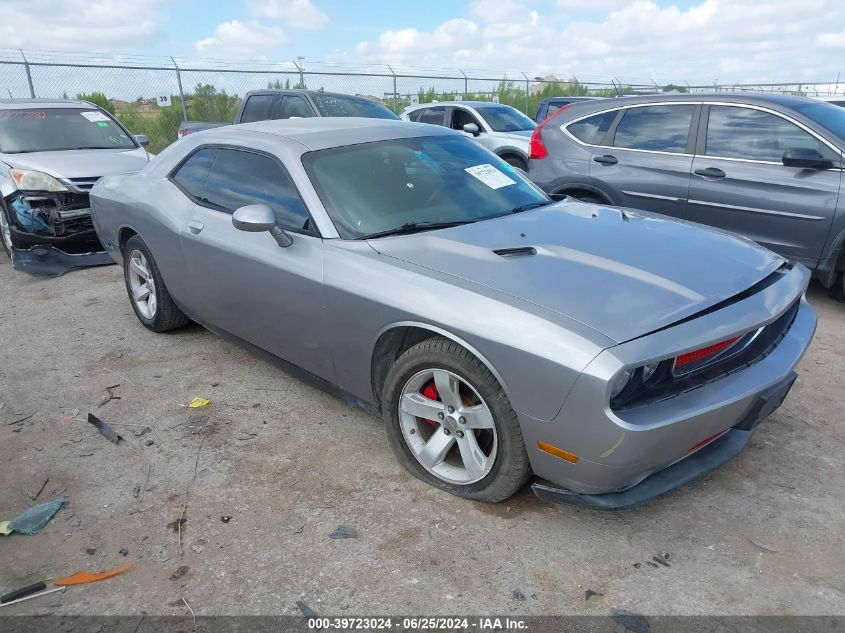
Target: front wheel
148, 295
451, 425
5, 230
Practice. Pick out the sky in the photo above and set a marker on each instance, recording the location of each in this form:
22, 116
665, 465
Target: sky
698, 41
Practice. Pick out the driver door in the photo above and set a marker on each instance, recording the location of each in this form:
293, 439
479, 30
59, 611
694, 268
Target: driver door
245, 283
740, 184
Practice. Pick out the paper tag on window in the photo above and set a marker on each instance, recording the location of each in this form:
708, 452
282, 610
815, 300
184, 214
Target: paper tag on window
490, 176
95, 116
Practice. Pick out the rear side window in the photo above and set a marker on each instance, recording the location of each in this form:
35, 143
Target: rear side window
592, 129
238, 178
294, 107
257, 108
658, 128
734, 132
435, 116
193, 173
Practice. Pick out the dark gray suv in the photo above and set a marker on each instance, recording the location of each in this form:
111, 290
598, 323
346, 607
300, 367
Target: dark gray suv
767, 167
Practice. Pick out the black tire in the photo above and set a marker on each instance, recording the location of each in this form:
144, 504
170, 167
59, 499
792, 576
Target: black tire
516, 161
8, 223
167, 315
511, 469
586, 196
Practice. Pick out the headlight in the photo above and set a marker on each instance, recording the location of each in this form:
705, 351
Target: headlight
29, 180
648, 370
632, 383
621, 381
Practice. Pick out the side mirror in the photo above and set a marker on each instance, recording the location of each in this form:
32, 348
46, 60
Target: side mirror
257, 218
471, 128
143, 140
805, 158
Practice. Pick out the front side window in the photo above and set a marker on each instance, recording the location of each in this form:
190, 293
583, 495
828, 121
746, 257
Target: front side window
293, 106
59, 129
238, 178
193, 173
657, 128
505, 119
735, 132
257, 108
343, 106
382, 186
592, 129
461, 117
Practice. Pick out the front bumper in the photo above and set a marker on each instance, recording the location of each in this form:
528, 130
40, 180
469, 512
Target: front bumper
617, 450
685, 471
47, 260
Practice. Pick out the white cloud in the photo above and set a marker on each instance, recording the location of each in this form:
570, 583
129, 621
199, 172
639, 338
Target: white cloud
71, 25
732, 40
300, 14
240, 39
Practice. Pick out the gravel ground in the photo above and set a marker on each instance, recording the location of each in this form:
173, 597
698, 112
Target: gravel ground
289, 464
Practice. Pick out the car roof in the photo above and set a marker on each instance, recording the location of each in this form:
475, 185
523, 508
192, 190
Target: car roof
472, 104
325, 132
20, 104
751, 98
273, 91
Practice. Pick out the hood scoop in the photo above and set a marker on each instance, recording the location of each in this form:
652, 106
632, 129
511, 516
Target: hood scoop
520, 251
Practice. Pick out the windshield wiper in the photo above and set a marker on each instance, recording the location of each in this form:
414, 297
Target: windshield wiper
415, 227
530, 205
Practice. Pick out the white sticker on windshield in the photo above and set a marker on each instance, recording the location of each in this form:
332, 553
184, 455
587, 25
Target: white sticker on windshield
94, 116
490, 176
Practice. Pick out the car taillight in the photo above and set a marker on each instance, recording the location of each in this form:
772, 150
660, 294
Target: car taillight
537, 148
182, 132
686, 362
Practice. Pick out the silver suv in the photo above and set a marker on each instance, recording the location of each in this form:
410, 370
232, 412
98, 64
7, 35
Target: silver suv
764, 166
500, 128
51, 154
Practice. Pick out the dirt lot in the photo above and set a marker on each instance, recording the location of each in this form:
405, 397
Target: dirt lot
290, 464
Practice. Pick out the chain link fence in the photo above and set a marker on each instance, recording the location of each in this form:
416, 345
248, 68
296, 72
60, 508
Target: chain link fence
153, 95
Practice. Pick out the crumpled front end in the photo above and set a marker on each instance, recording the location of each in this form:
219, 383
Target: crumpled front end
53, 232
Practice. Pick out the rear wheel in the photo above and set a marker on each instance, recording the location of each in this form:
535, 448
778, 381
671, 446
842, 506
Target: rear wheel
451, 425
148, 295
516, 161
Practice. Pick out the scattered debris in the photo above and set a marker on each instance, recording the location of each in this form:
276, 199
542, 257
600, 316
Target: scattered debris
40, 490
124, 552
175, 525
665, 556
180, 572
19, 420
33, 520
590, 593
183, 517
136, 492
91, 551
637, 565
660, 561
634, 622
72, 416
31, 596
86, 577
305, 610
109, 395
343, 532
299, 529
198, 546
763, 546
245, 435
518, 595
105, 430
225, 518
199, 402
192, 612
141, 431
25, 591
650, 564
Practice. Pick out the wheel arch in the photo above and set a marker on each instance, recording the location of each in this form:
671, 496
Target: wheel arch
509, 152
124, 234
394, 339
570, 189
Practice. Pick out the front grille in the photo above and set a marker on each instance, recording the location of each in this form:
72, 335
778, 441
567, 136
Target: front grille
84, 184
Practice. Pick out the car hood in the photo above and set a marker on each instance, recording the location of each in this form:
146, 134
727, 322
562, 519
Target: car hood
81, 163
623, 273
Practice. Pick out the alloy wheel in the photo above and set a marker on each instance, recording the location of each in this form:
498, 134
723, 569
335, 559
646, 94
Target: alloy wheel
142, 285
448, 426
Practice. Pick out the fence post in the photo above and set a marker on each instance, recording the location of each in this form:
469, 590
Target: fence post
394, 88
466, 83
181, 92
526, 94
301, 75
28, 74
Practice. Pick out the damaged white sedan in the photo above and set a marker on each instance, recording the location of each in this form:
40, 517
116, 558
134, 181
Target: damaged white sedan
51, 154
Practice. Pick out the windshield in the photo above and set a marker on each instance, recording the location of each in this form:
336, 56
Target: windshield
828, 116
505, 119
56, 129
338, 105
377, 187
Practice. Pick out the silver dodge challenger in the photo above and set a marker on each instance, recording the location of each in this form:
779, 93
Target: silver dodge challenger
612, 355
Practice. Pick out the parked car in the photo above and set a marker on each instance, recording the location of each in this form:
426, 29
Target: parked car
51, 154
763, 166
837, 100
499, 333
500, 128
551, 105
261, 105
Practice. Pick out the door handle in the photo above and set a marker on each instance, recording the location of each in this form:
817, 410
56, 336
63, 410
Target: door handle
710, 172
195, 227
607, 159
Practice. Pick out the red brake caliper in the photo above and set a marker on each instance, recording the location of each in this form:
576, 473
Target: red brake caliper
430, 392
